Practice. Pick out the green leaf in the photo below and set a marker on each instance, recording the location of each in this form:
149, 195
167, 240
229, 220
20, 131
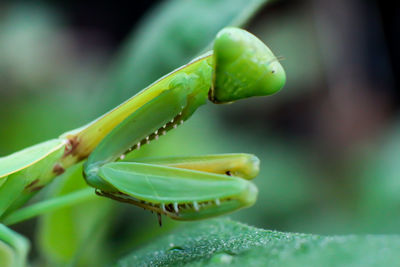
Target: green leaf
221, 241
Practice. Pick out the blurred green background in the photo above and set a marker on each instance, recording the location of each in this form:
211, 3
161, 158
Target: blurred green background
329, 142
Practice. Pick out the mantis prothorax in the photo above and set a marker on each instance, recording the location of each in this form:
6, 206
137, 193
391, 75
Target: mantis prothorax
183, 188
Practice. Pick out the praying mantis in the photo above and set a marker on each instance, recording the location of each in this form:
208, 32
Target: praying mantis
182, 188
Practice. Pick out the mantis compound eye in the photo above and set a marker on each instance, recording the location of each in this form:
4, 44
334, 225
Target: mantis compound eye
244, 67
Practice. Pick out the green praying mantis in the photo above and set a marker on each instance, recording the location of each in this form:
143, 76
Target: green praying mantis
183, 188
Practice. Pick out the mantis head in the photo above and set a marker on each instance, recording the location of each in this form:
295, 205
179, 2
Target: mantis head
243, 67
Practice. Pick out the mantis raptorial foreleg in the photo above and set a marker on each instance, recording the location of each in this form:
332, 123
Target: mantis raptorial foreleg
177, 186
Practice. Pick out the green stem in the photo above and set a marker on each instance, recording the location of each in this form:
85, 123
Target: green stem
50, 205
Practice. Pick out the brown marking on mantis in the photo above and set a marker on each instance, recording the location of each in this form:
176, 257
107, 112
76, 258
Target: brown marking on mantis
29, 186
58, 169
32, 188
37, 188
70, 147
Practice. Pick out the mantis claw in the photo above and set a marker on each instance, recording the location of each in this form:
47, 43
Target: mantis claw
159, 219
176, 207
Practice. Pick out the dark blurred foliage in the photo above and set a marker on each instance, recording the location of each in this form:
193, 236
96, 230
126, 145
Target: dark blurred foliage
329, 142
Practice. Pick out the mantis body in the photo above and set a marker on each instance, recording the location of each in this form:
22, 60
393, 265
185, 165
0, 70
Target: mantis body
183, 188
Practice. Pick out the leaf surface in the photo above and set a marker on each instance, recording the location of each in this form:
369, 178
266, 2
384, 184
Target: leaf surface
222, 242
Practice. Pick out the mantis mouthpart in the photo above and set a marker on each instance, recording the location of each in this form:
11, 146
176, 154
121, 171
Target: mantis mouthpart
183, 188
